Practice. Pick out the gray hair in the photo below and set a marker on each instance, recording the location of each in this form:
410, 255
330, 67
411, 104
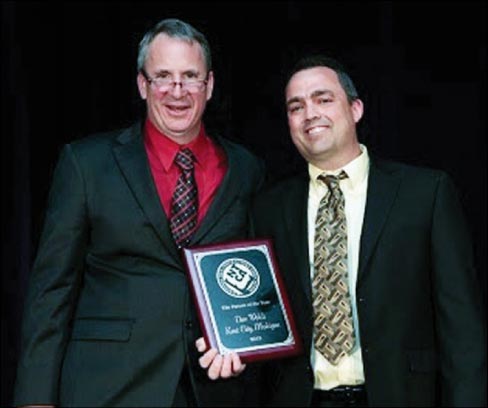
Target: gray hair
328, 62
174, 28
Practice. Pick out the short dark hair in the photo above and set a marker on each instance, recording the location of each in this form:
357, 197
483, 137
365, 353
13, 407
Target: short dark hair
320, 60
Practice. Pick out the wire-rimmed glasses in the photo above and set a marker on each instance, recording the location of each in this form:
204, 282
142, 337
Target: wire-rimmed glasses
166, 84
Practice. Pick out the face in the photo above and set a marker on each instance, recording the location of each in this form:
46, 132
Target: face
322, 122
177, 113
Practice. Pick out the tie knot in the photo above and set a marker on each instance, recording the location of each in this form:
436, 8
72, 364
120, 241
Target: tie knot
184, 159
332, 182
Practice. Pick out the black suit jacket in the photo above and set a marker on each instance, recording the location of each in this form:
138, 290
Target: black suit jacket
109, 319
417, 291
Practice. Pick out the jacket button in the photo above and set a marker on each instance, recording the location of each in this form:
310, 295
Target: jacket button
188, 324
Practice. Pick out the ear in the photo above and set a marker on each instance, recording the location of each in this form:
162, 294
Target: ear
210, 85
357, 108
142, 85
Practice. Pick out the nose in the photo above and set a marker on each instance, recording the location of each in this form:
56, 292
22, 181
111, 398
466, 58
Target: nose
177, 90
311, 112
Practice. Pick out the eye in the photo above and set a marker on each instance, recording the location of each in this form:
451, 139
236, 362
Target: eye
294, 108
325, 100
191, 75
163, 74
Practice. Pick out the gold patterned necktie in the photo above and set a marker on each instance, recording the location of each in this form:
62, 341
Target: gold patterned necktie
184, 206
333, 324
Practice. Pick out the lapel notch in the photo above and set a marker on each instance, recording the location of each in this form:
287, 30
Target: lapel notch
131, 158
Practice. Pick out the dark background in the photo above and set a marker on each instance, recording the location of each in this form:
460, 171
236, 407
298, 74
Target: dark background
69, 69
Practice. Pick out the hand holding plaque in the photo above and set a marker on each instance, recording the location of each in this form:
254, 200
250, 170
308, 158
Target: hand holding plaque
241, 300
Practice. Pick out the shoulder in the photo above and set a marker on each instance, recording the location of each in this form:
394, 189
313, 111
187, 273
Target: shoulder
281, 190
238, 152
287, 184
104, 140
423, 183
412, 174
245, 165
99, 146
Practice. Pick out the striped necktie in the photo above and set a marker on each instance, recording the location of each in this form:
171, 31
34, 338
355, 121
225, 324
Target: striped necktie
184, 205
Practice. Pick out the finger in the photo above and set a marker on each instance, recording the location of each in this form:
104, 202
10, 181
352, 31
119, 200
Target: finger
207, 358
226, 370
215, 367
200, 345
237, 365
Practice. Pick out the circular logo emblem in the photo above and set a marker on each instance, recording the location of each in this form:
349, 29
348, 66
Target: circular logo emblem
238, 277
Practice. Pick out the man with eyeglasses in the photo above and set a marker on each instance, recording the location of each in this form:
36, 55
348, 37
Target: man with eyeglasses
109, 319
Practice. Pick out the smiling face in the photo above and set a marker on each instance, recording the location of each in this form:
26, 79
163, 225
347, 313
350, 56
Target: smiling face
177, 113
322, 121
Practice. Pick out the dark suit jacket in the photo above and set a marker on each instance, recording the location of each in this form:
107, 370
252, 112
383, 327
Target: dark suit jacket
417, 292
109, 319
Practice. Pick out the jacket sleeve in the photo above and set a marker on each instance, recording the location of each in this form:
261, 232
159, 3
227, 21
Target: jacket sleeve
53, 286
460, 323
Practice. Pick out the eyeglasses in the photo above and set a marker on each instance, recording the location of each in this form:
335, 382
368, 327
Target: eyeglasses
166, 84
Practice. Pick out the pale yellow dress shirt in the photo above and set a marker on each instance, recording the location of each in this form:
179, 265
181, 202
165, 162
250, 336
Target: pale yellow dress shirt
350, 370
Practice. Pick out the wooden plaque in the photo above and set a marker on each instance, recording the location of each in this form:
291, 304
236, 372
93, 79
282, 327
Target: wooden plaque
241, 300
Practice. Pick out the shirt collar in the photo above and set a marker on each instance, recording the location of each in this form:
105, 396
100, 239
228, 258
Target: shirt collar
166, 149
356, 169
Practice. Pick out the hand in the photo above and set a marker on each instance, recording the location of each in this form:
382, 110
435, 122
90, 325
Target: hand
218, 366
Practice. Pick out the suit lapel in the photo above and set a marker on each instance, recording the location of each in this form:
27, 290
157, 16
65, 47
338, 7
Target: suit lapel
227, 192
296, 221
131, 157
382, 190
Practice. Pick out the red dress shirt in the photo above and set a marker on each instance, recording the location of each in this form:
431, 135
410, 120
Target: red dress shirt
210, 166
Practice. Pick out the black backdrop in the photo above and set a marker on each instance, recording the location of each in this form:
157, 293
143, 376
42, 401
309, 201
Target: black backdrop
69, 69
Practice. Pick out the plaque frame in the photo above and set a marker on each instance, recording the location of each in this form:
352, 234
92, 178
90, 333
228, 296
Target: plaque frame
203, 279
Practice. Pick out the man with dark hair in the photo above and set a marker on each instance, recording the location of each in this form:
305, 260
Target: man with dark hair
379, 265
109, 320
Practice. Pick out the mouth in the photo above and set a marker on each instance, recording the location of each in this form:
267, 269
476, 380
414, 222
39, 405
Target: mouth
177, 109
315, 129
